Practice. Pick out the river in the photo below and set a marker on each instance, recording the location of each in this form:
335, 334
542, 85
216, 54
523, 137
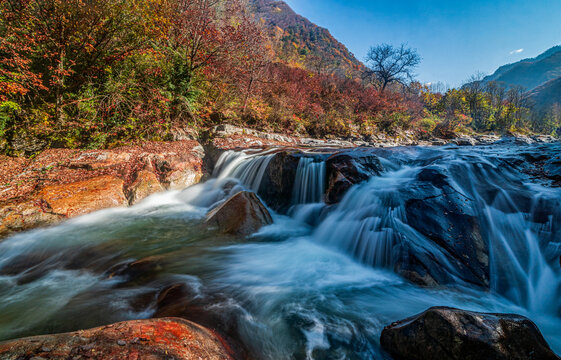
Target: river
321, 282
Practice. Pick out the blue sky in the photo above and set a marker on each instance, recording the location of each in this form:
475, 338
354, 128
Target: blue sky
455, 38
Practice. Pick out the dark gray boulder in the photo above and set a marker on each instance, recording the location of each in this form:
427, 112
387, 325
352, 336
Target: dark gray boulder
451, 334
348, 168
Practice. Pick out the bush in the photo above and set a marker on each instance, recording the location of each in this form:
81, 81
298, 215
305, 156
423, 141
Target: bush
427, 124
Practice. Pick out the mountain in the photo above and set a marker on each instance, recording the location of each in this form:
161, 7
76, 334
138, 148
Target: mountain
530, 73
299, 42
546, 95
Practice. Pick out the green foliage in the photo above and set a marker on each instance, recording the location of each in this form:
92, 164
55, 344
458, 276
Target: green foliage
427, 124
8, 112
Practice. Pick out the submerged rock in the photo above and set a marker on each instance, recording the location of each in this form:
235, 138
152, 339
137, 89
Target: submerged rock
169, 338
445, 216
242, 214
452, 334
346, 169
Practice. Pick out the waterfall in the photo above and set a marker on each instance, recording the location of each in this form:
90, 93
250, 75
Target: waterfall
516, 220
519, 268
309, 184
248, 168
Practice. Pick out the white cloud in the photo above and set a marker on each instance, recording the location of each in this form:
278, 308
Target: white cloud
516, 51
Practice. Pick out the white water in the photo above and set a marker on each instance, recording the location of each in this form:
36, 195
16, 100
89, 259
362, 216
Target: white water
316, 284
309, 185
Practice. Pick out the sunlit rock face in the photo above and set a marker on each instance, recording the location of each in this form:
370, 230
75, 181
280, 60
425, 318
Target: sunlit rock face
150, 339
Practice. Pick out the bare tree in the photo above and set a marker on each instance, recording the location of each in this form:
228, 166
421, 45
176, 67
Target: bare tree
388, 64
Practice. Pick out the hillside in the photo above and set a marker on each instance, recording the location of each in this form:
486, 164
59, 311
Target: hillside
530, 73
299, 42
546, 95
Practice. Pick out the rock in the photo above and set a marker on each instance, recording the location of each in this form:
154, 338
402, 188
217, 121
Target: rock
464, 141
242, 214
439, 142
451, 334
487, 139
168, 338
26, 215
140, 269
84, 197
95, 160
346, 169
146, 184
427, 200
278, 180
184, 176
552, 168
27, 144
178, 174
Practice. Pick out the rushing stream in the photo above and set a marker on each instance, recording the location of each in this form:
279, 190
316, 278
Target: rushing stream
320, 282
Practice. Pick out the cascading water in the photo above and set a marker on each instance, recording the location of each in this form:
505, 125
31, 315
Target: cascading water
305, 289
248, 168
309, 184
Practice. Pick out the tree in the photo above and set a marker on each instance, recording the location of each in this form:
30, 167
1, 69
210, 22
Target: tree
387, 65
476, 99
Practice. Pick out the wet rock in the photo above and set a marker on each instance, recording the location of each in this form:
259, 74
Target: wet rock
147, 339
438, 142
552, 168
445, 217
86, 196
278, 181
139, 269
242, 214
20, 216
146, 184
179, 173
452, 334
343, 170
61, 183
465, 141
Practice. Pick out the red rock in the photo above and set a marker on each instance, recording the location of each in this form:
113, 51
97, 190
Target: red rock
146, 184
168, 338
16, 216
86, 196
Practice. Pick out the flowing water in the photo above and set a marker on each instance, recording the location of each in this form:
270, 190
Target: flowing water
318, 283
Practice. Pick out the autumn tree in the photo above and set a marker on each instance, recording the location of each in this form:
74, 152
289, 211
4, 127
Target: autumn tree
474, 90
388, 64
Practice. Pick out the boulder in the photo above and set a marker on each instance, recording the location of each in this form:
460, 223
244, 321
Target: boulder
446, 218
146, 184
177, 173
278, 180
345, 169
168, 338
452, 334
464, 141
242, 214
83, 197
